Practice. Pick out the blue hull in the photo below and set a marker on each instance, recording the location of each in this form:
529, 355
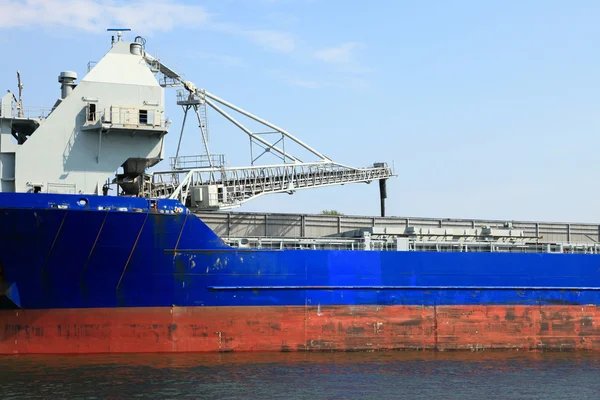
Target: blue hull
59, 252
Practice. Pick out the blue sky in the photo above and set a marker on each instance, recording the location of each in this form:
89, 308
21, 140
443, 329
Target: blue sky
487, 109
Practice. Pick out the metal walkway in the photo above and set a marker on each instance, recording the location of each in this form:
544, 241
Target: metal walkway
234, 186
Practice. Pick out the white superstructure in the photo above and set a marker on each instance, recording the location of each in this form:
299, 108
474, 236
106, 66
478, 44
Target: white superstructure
112, 118
113, 122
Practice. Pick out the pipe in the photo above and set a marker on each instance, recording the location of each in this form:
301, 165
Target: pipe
382, 195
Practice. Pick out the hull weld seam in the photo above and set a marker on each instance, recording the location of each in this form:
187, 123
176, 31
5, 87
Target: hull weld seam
181, 232
132, 249
54, 242
93, 246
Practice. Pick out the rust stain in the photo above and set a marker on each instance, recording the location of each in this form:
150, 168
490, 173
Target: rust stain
343, 328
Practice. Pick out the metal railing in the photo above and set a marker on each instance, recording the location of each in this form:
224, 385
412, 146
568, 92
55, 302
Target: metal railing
295, 243
318, 225
91, 65
184, 97
199, 161
126, 117
31, 112
302, 243
61, 188
239, 185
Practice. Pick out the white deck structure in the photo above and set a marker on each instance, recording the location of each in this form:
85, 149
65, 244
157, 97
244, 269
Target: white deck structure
113, 118
351, 232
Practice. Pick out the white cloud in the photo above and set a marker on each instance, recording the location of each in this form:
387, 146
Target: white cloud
304, 83
268, 39
338, 82
144, 17
343, 57
342, 54
215, 58
286, 78
274, 40
95, 16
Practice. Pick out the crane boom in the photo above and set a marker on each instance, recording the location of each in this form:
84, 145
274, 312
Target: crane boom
213, 186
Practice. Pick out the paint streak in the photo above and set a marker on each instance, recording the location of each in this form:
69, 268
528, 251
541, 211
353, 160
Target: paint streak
344, 328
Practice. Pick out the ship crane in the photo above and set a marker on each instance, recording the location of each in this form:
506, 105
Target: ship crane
205, 183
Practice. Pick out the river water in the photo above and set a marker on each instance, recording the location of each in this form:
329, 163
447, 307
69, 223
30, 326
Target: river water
379, 375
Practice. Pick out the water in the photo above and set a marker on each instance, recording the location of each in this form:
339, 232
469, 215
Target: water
381, 375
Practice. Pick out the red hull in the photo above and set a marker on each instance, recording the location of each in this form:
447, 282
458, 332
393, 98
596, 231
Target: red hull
346, 328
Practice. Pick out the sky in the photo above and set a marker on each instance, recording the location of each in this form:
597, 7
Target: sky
485, 109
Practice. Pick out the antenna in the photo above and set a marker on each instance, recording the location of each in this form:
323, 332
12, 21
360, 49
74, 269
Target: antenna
119, 33
20, 102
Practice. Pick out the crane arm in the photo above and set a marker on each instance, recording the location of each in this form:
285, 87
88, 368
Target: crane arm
169, 72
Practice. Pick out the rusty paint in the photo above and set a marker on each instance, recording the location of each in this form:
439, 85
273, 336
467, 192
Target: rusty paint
319, 328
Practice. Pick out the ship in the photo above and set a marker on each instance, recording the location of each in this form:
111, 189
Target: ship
101, 251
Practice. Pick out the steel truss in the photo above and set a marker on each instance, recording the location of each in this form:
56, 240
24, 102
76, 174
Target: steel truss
238, 185
231, 187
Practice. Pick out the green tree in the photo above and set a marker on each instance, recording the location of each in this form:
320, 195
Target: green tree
331, 212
